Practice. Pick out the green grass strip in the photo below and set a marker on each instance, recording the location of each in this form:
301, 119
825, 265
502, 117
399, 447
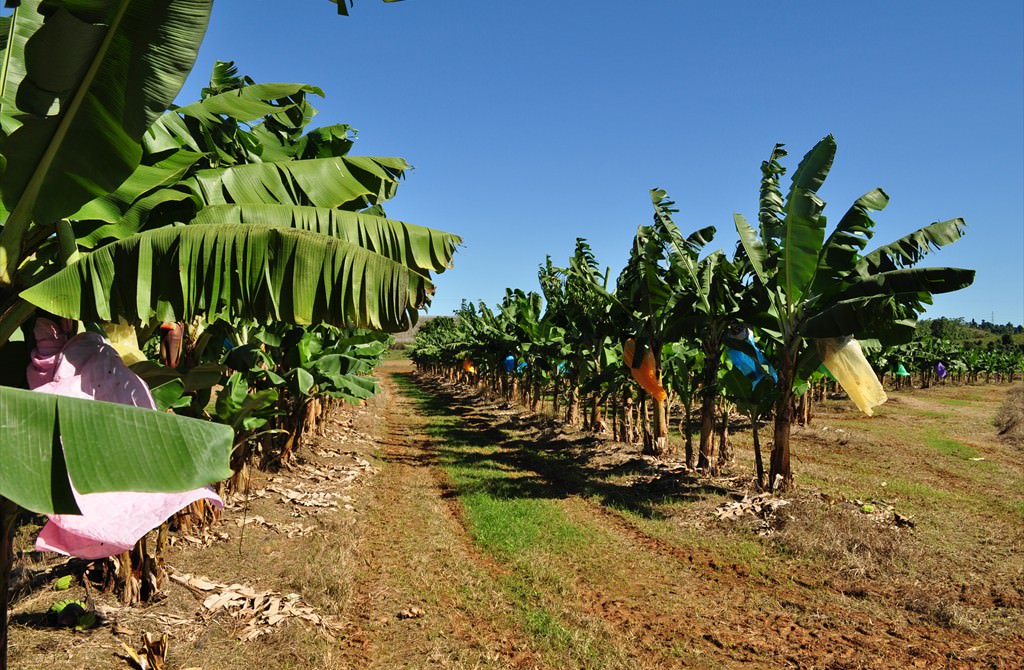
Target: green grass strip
515, 517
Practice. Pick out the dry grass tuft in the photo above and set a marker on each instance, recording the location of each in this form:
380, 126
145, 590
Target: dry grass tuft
1010, 419
324, 569
943, 609
851, 544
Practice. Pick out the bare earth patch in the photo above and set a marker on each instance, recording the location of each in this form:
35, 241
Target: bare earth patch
376, 550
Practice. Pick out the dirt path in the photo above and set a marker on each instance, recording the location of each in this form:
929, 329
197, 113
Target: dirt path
433, 528
422, 596
636, 600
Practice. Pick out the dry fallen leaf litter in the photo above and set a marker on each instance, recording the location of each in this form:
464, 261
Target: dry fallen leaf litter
261, 611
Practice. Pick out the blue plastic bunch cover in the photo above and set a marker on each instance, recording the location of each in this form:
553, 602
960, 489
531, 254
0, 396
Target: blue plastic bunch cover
751, 368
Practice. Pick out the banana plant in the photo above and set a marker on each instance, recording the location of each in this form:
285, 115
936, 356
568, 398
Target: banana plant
82, 83
588, 319
815, 287
273, 189
655, 292
682, 362
754, 393
708, 296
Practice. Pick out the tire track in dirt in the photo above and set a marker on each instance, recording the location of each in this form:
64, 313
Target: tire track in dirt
415, 554
811, 630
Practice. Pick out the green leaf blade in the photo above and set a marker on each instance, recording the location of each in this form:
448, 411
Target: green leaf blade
112, 447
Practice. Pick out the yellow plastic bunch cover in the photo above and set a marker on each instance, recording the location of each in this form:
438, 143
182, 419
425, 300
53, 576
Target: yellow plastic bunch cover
121, 336
845, 360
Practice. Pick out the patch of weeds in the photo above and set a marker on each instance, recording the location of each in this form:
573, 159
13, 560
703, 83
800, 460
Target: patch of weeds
543, 626
943, 610
323, 573
948, 447
749, 552
954, 402
916, 490
514, 526
1019, 507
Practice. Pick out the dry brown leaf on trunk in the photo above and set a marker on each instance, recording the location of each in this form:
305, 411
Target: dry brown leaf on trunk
151, 656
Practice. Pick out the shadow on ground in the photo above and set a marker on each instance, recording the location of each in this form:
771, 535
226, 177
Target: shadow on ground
523, 456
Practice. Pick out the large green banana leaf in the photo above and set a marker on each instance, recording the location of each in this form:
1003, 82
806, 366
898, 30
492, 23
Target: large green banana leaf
127, 210
112, 207
98, 74
753, 246
16, 29
239, 271
869, 307
92, 233
244, 104
841, 250
877, 317
421, 249
908, 281
803, 230
101, 446
349, 182
247, 103
910, 248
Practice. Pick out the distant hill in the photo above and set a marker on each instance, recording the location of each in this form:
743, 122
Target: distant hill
402, 339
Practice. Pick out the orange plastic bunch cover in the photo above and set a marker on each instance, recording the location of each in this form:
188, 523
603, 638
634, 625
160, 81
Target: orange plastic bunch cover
645, 374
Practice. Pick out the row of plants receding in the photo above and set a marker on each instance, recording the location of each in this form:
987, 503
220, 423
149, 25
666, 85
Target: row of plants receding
928, 360
767, 329
248, 253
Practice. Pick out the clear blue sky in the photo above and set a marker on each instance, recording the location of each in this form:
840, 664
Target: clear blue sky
531, 123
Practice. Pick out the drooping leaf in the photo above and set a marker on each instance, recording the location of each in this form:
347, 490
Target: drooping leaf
346, 182
239, 271
910, 248
247, 103
166, 172
106, 447
908, 281
877, 306
420, 249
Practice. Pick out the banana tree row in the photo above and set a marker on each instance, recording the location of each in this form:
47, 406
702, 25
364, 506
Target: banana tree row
759, 328
937, 360
116, 206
